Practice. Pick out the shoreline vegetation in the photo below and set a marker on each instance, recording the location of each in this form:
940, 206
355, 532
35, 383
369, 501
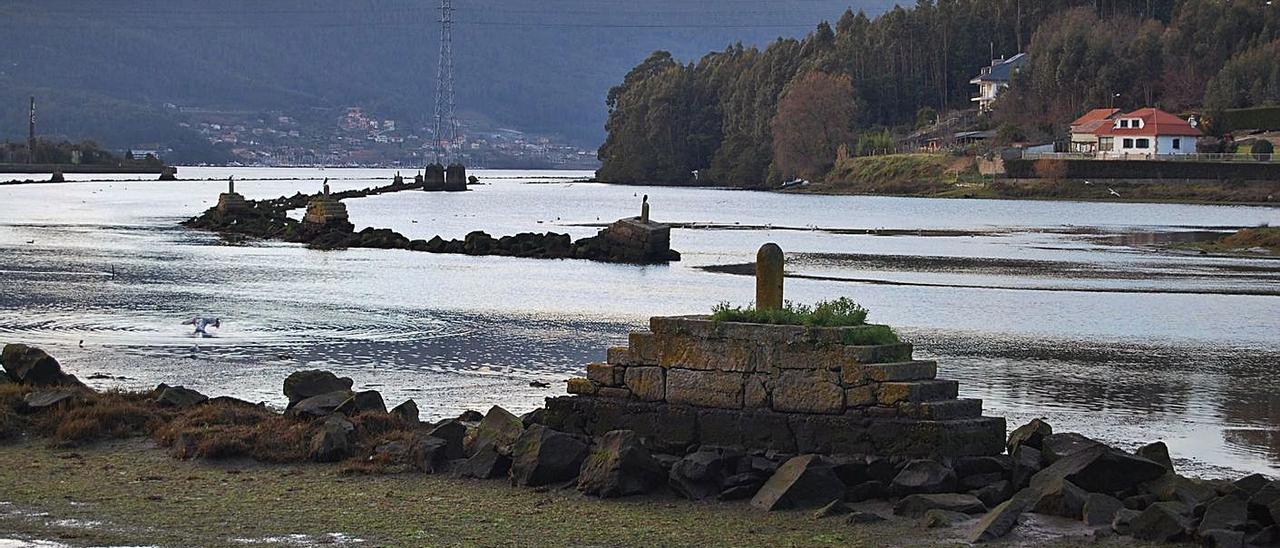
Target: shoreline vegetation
1246, 242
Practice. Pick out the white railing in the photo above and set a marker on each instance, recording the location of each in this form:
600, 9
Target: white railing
1197, 157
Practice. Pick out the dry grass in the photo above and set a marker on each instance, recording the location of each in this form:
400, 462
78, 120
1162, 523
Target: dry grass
11, 423
1264, 237
224, 430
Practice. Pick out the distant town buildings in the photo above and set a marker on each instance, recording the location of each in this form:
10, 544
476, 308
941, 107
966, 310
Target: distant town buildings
995, 78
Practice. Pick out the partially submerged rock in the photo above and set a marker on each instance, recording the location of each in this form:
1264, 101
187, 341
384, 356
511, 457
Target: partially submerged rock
407, 411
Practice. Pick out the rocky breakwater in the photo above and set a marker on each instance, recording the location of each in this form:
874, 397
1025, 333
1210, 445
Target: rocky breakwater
692, 381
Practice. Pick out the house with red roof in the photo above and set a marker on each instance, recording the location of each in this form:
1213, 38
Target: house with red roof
1143, 133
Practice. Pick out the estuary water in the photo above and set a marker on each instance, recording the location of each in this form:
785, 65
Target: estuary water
1071, 311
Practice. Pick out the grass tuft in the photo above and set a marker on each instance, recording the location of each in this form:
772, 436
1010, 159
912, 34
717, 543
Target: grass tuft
841, 312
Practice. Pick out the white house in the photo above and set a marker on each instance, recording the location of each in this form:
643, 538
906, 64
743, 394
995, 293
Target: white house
995, 79
1144, 133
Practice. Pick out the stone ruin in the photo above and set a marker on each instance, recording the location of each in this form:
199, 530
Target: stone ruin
324, 210
231, 201
639, 239
437, 178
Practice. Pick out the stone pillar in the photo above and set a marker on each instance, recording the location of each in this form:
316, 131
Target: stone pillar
231, 184
644, 209
769, 277
456, 177
433, 178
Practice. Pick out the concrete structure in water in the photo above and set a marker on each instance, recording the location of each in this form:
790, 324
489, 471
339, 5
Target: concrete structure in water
231, 201
639, 239
449, 179
691, 381
325, 210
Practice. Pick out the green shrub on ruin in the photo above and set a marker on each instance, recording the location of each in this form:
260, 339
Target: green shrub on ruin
841, 312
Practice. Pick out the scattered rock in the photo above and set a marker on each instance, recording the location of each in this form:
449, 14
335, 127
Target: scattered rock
542, 456
32, 366
1124, 517
1172, 487
973, 466
1059, 497
619, 466
915, 506
1100, 509
741, 486
454, 432
319, 406
994, 494
179, 397
1156, 452
698, 475
499, 429
485, 463
301, 385
835, 508
407, 411
1030, 434
1001, 519
1251, 484
859, 517
1220, 538
978, 481
1057, 446
533, 417
1261, 501
430, 455
936, 518
43, 398
1026, 462
367, 401
470, 416
1162, 522
805, 481
1139, 502
923, 476
1101, 469
1229, 513
868, 490
1268, 536
333, 440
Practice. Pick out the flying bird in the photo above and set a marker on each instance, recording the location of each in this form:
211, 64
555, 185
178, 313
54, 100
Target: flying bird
202, 323
1113, 192
1090, 183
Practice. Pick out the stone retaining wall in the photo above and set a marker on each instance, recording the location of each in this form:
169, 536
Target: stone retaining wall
690, 380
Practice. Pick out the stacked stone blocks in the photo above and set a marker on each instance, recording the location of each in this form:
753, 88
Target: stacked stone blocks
808, 382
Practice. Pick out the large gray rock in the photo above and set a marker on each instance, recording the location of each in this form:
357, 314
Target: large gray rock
1059, 497
1124, 517
301, 385
1026, 463
452, 431
485, 463
1101, 469
923, 476
32, 366
806, 481
1057, 446
1030, 434
333, 440
429, 455
43, 398
619, 466
1260, 502
407, 411
994, 494
319, 406
1100, 509
499, 429
1156, 452
542, 456
1251, 484
178, 397
915, 506
938, 518
1229, 513
1161, 522
1003, 518
699, 475
1171, 487
366, 401
1221, 538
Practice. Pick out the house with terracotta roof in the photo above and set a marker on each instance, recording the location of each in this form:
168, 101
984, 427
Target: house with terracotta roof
1084, 136
1145, 133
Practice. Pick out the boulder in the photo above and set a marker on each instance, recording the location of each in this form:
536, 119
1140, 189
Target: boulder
923, 476
178, 397
881, 469
499, 429
1124, 517
542, 456
915, 506
1171, 487
407, 411
319, 406
366, 401
806, 481
1229, 513
429, 455
741, 486
937, 518
859, 518
1260, 502
1157, 452
978, 481
1057, 446
867, 490
1059, 497
32, 366
454, 432
1026, 462
1221, 538
301, 385
994, 494
1268, 536
1161, 522
1101, 469
332, 440
699, 474
471, 416
1030, 434
1251, 484
619, 466
974, 466
43, 398
1100, 509
1003, 518
485, 463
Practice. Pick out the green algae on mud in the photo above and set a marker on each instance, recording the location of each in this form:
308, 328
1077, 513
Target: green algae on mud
130, 492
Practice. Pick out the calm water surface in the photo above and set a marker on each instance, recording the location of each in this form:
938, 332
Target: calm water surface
1052, 309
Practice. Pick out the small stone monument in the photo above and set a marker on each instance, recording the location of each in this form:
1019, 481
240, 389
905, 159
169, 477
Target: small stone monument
230, 201
433, 178
455, 178
639, 239
769, 277
324, 209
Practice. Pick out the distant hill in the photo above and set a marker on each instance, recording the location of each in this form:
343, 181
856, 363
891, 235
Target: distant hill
105, 70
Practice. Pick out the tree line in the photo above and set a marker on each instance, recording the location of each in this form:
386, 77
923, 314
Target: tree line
751, 116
